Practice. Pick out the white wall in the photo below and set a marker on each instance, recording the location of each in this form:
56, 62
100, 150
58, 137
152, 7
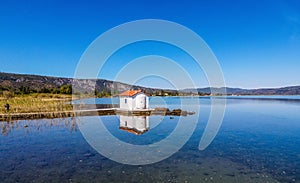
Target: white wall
128, 105
140, 101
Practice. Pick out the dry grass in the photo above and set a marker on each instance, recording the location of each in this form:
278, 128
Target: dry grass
36, 103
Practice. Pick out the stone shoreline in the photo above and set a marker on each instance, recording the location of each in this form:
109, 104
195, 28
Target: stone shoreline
93, 112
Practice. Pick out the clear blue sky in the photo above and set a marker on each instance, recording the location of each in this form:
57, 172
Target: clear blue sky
256, 42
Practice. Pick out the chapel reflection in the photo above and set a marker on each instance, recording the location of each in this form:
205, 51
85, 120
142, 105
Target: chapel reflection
134, 124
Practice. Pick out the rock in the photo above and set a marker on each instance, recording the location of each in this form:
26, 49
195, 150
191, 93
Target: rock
87, 155
162, 109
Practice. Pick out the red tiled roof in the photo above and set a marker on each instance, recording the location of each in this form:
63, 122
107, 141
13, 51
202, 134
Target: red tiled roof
130, 93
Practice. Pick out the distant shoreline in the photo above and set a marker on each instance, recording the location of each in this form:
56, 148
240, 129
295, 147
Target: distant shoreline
26, 84
60, 106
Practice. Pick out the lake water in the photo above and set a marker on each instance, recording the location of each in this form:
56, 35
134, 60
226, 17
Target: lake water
258, 141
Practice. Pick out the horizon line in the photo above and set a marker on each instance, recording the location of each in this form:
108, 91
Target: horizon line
152, 87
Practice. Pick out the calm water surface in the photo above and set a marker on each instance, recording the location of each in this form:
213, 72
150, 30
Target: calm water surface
259, 141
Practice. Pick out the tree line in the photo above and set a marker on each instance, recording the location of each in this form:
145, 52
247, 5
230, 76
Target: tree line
64, 89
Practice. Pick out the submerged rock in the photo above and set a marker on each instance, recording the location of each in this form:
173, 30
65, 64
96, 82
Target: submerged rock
87, 155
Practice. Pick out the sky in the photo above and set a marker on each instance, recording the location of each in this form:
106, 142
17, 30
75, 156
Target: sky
257, 43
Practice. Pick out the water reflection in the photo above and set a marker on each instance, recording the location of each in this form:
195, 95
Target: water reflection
134, 124
257, 142
262, 99
38, 125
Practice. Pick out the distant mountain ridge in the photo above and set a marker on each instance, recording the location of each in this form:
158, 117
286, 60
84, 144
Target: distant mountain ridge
25, 82
290, 90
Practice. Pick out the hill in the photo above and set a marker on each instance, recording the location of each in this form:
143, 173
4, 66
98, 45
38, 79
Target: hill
24, 84
291, 90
